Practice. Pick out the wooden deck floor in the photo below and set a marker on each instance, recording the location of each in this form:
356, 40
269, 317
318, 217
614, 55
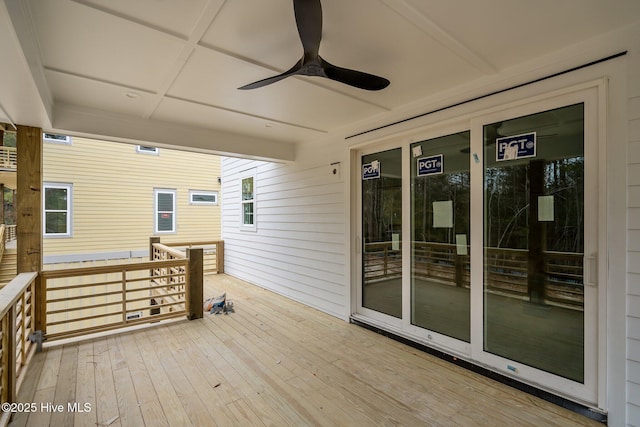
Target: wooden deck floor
271, 363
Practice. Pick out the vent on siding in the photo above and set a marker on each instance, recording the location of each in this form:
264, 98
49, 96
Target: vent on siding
135, 315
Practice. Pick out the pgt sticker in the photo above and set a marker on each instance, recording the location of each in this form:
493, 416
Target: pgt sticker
516, 147
371, 170
432, 165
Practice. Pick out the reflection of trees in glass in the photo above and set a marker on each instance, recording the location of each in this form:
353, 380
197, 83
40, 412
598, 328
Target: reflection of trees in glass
507, 204
381, 205
429, 189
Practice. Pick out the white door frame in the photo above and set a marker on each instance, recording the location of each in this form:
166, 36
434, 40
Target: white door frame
594, 95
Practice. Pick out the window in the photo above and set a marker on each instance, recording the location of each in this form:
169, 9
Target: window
57, 210
203, 197
143, 149
59, 139
248, 203
165, 211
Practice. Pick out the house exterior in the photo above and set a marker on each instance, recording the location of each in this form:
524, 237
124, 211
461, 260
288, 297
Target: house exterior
104, 200
309, 229
486, 207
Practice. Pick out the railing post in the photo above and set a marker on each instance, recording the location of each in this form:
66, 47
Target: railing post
152, 301
386, 260
194, 287
220, 257
11, 354
459, 270
152, 241
40, 300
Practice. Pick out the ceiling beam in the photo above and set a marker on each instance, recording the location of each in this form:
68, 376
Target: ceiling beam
101, 124
430, 28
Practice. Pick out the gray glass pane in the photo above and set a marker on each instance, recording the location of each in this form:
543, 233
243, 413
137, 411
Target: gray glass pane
55, 223
165, 202
382, 230
247, 189
55, 199
247, 214
203, 198
534, 240
440, 212
165, 221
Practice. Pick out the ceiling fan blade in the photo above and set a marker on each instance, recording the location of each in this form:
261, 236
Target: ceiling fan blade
260, 83
354, 78
309, 21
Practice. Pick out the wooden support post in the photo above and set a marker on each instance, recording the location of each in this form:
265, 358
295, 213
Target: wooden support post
29, 200
195, 297
536, 276
28, 203
220, 257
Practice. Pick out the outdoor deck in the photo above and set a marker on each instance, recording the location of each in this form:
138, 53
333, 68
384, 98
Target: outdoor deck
272, 362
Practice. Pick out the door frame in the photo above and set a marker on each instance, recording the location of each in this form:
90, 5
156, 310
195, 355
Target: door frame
594, 268
595, 92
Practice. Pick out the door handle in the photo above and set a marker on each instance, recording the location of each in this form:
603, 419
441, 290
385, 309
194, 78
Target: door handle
591, 270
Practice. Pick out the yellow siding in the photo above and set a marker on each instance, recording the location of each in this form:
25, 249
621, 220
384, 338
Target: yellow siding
113, 195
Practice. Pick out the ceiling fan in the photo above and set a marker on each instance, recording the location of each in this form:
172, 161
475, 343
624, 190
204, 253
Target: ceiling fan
309, 21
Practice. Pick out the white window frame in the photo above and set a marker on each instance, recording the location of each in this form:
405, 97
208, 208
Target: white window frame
156, 192
243, 226
65, 141
193, 193
69, 188
146, 149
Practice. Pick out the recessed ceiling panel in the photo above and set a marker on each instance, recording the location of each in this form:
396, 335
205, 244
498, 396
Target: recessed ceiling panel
258, 30
213, 78
177, 17
508, 32
79, 39
206, 117
75, 90
380, 42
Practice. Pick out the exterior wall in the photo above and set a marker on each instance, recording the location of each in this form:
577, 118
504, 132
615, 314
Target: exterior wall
302, 249
298, 247
113, 197
633, 242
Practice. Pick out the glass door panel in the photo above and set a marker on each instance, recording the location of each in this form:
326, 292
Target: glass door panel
534, 240
382, 232
440, 213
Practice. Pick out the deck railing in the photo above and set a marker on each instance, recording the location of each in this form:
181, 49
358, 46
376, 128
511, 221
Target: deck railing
213, 253
17, 318
2, 240
8, 157
507, 269
81, 301
9, 233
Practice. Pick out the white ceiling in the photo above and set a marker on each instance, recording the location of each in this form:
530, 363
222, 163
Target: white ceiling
167, 71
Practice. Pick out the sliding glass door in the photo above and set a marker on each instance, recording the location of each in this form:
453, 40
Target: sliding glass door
440, 210
483, 241
534, 240
382, 232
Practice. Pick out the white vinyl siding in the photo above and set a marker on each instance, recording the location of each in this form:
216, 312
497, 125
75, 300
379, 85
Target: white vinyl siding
298, 247
57, 205
633, 243
165, 211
